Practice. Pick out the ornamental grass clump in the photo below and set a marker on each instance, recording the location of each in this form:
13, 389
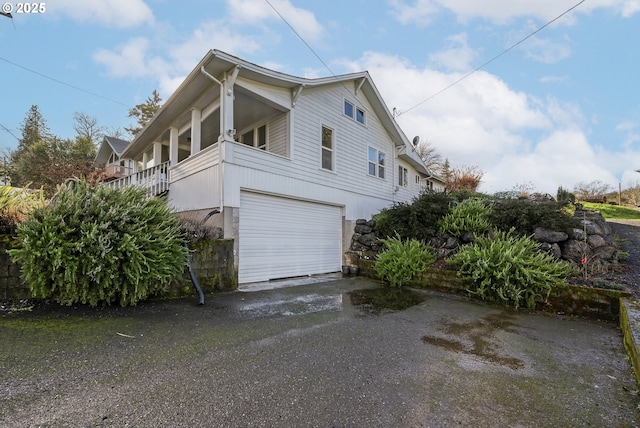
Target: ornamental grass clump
15, 206
99, 244
403, 260
509, 269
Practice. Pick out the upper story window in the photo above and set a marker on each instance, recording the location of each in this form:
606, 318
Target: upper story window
354, 112
403, 176
377, 162
327, 148
256, 137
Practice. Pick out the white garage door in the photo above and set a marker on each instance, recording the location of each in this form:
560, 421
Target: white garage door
281, 238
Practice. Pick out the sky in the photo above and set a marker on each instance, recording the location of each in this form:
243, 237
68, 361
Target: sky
474, 78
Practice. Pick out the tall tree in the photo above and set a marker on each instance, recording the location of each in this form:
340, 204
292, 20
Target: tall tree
87, 127
144, 112
430, 156
34, 130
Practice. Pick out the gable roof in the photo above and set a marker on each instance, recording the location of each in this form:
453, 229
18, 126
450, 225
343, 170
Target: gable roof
109, 145
216, 63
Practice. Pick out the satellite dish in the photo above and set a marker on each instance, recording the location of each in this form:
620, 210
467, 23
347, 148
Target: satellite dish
415, 141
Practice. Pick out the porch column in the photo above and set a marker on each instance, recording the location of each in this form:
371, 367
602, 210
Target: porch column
173, 146
196, 118
157, 153
145, 160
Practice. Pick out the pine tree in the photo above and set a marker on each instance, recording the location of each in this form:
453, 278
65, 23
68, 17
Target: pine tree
144, 112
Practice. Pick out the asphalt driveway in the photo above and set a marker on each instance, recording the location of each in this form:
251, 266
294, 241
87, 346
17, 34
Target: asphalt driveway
305, 356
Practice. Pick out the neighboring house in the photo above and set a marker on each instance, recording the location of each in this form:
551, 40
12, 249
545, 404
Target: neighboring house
289, 162
109, 157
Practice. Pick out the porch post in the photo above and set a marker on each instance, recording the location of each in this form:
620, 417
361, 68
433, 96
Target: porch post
196, 117
145, 160
157, 153
173, 145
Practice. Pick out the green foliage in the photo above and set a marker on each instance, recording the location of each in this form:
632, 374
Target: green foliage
98, 244
613, 211
471, 215
15, 205
144, 112
403, 260
524, 216
564, 195
418, 220
509, 269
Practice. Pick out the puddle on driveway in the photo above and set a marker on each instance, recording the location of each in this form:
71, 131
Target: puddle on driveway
377, 300
477, 338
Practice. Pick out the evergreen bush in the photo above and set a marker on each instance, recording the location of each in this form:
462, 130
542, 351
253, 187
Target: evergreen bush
15, 205
99, 244
509, 269
524, 216
403, 260
471, 215
418, 220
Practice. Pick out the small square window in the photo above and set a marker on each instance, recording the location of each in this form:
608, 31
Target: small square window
360, 115
348, 109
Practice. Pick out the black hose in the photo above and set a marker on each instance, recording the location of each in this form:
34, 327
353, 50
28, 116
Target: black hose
193, 277
191, 273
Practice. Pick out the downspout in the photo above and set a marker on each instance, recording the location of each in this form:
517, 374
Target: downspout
220, 137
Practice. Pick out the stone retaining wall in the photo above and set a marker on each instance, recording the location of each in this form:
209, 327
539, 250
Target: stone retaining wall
212, 262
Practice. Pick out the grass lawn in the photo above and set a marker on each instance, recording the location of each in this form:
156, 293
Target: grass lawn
613, 211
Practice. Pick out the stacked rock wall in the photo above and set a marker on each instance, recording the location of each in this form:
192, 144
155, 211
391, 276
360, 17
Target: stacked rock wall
591, 246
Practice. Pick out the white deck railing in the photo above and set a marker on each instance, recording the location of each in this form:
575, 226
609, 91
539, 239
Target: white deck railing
154, 179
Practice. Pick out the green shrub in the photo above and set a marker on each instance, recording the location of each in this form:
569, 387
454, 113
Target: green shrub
509, 269
98, 244
471, 215
418, 220
16, 204
403, 260
524, 216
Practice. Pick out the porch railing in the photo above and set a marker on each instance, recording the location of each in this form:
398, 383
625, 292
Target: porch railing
154, 179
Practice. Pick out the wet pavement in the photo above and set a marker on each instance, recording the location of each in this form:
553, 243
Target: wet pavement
306, 356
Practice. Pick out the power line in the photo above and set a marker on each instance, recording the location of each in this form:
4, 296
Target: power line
63, 83
9, 131
494, 58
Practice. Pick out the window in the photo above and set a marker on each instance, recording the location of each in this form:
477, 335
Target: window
417, 179
376, 163
403, 176
354, 112
256, 137
348, 109
327, 148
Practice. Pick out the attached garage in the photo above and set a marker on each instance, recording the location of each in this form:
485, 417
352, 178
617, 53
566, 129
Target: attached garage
281, 237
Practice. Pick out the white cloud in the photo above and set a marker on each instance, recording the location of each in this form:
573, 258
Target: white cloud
546, 51
243, 12
456, 56
510, 135
112, 13
420, 12
168, 62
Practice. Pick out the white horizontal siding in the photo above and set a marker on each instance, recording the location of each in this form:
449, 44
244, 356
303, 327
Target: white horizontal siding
196, 163
278, 136
199, 190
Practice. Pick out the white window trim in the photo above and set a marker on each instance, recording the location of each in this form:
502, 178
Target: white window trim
332, 150
355, 108
403, 176
377, 164
255, 136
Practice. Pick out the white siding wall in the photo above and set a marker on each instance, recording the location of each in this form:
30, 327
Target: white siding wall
301, 175
278, 135
194, 182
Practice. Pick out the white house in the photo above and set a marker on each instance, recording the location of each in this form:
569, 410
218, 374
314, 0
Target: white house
109, 157
289, 162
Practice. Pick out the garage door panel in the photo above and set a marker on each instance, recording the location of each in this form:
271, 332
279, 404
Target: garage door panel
282, 237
